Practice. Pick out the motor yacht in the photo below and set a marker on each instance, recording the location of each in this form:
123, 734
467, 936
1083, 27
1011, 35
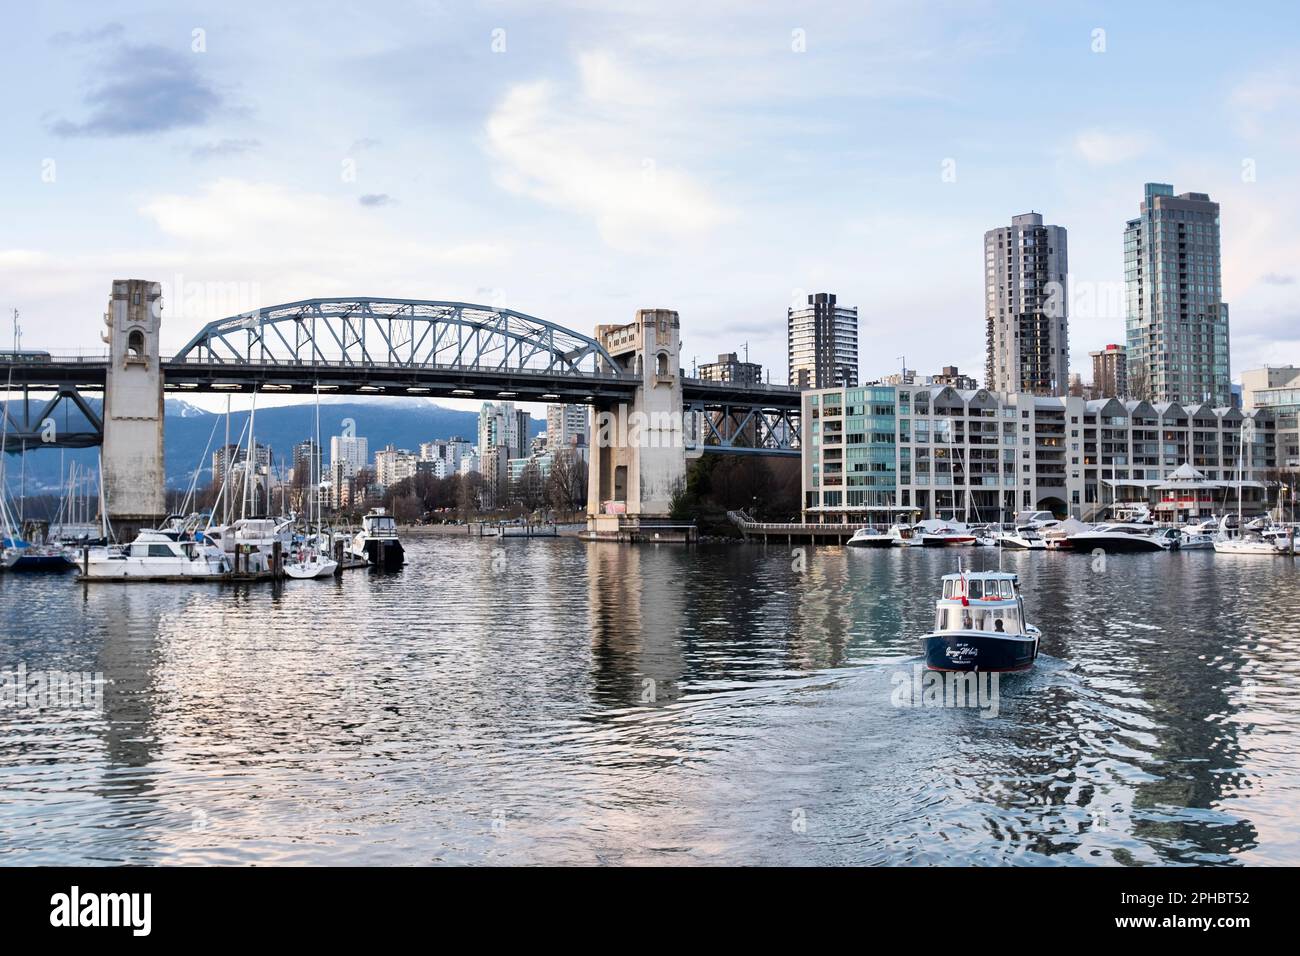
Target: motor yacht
870, 537
156, 556
377, 541
1121, 538
1022, 539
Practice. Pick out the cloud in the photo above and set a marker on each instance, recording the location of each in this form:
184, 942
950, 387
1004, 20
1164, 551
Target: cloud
607, 150
147, 89
1277, 278
1102, 148
109, 31
362, 144
1257, 98
376, 199
225, 147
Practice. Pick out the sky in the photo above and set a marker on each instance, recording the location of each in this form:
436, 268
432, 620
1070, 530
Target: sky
578, 161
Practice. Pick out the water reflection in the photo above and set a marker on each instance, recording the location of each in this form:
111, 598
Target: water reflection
558, 701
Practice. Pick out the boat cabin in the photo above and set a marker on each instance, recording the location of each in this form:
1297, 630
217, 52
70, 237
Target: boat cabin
161, 545
379, 524
979, 601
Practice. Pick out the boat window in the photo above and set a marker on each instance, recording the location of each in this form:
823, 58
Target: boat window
160, 551
976, 589
941, 619
1006, 589
947, 589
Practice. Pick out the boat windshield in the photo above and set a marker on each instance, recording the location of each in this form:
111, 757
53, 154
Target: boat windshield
1005, 620
381, 524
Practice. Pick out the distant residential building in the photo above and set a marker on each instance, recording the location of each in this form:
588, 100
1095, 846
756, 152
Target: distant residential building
729, 368
502, 425
822, 343
1277, 389
349, 456
469, 462
906, 377
234, 456
951, 376
1110, 371
448, 451
871, 454
1177, 323
568, 426
307, 462
1026, 311
393, 465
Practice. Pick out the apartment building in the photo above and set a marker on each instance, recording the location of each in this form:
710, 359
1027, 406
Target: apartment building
874, 453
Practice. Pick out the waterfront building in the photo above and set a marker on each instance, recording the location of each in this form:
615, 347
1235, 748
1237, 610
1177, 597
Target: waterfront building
1110, 372
1026, 307
822, 343
1277, 389
1177, 325
234, 456
729, 368
469, 463
568, 426
937, 452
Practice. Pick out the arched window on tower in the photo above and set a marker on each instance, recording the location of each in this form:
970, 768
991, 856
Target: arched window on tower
661, 363
135, 344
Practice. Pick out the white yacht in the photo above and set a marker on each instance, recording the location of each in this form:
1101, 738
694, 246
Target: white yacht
1023, 539
869, 537
156, 556
941, 534
1121, 538
377, 541
1229, 542
1191, 538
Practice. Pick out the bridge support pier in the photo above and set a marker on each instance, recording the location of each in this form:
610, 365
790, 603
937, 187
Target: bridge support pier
133, 472
637, 456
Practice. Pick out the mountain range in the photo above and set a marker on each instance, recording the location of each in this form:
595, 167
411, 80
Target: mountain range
192, 434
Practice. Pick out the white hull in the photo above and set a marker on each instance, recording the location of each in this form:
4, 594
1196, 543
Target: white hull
1246, 547
311, 568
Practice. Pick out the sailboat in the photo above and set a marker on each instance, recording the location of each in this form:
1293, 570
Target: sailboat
311, 559
1225, 542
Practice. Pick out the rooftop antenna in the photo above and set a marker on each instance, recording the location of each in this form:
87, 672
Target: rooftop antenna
746, 353
18, 332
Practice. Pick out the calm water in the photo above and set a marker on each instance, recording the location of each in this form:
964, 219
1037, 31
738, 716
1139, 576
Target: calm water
490, 704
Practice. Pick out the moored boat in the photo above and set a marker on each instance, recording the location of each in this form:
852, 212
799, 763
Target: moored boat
156, 556
1021, 539
979, 624
870, 537
1121, 539
377, 541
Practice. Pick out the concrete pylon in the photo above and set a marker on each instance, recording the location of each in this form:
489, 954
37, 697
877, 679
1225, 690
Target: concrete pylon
637, 455
133, 409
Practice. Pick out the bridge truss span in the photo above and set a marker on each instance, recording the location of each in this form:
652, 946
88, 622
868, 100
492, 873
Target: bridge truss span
398, 333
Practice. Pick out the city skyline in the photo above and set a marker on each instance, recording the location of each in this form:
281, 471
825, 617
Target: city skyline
206, 181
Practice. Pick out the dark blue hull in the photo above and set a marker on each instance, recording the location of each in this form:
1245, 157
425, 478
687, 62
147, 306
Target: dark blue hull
41, 562
385, 554
979, 650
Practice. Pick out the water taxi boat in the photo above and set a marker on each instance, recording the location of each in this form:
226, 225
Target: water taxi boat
979, 625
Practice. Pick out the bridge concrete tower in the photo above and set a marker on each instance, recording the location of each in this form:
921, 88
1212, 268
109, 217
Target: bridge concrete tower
637, 455
133, 471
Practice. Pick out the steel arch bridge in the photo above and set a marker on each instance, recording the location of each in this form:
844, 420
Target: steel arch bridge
397, 333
